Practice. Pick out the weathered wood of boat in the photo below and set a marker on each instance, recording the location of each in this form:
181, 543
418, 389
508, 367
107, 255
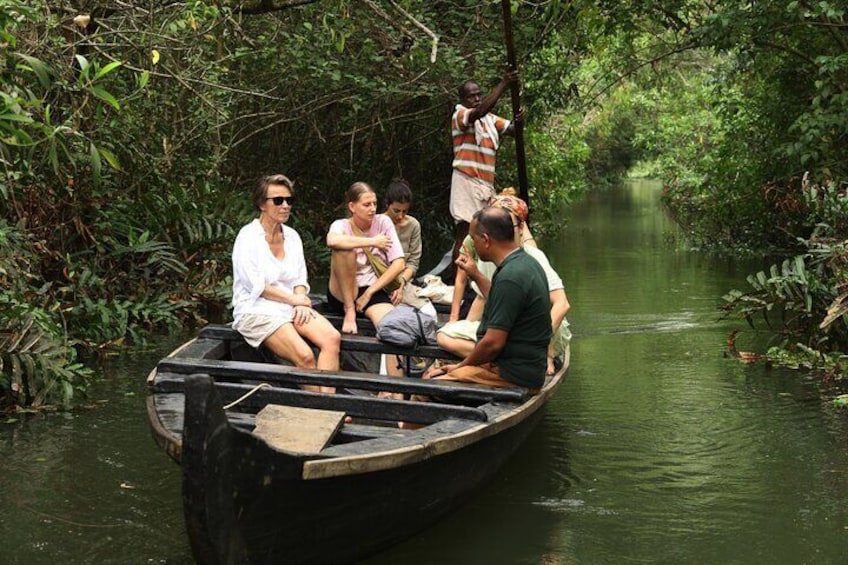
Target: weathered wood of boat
364, 484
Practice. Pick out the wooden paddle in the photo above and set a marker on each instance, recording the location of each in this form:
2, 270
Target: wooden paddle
521, 161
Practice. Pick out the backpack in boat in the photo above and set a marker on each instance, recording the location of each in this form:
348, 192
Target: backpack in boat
407, 326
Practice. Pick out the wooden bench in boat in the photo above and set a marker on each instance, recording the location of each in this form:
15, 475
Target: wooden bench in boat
350, 432
209, 352
238, 371
367, 407
360, 343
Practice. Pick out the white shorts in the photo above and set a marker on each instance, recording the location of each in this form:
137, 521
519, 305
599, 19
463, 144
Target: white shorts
255, 328
468, 195
463, 329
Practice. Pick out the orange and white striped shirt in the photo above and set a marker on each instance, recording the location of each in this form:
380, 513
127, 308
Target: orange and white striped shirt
475, 145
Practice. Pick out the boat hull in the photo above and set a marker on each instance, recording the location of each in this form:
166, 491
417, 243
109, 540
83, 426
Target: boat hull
247, 503
370, 485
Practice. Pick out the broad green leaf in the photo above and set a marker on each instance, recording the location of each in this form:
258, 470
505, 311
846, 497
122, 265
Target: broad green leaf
53, 156
40, 68
143, 79
106, 96
16, 118
107, 69
23, 138
800, 268
111, 158
84, 66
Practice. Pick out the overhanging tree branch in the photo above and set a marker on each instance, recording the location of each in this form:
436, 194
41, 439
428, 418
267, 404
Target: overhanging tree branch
268, 6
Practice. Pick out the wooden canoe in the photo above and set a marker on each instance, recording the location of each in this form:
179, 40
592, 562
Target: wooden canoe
333, 491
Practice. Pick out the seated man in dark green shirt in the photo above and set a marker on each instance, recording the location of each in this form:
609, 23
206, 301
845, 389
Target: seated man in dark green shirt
515, 328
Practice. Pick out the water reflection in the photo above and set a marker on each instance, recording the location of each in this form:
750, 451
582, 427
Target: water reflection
509, 521
658, 448
691, 457
91, 486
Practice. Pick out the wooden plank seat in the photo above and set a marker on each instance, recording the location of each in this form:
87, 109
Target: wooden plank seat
362, 343
368, 344
292, 376
302, 430
356, 406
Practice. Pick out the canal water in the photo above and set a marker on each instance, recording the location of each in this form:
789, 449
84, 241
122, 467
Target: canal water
657, 449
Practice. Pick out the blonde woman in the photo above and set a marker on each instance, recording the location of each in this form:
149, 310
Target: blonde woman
355, 285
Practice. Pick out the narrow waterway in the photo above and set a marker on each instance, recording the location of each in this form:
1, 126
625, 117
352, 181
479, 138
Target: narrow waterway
657, 449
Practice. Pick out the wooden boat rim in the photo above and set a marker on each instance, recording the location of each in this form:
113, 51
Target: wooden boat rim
385, 459
389, 459
152, 375
170, 442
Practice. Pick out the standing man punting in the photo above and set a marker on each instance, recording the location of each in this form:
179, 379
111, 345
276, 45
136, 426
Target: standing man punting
476, 135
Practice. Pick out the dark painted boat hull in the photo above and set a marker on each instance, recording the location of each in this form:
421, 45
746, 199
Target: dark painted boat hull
247, 503
370, 486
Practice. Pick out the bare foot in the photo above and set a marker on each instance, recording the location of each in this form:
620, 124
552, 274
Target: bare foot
391, 396
349, 323
551, 369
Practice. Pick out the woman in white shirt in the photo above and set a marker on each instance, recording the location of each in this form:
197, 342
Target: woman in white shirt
270, 302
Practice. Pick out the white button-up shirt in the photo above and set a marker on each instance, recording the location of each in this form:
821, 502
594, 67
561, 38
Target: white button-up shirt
254, 267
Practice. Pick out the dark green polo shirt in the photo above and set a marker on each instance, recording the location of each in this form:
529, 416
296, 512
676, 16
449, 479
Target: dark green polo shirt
519, 303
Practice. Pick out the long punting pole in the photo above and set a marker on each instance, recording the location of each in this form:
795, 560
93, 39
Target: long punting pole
521, 160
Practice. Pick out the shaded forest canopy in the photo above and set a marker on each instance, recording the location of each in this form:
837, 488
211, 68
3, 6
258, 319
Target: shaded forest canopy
131, 131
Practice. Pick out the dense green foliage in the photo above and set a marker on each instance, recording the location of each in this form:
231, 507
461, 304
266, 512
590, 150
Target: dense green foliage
742, 109
738, 106
130, 135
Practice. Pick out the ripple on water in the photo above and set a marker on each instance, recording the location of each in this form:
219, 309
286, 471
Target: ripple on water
622, 324
693, 449
571, 506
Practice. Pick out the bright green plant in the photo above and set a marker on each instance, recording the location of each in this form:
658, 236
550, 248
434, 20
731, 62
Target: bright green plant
784, 293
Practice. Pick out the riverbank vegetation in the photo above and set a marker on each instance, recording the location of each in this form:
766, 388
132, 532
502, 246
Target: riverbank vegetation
129, 136
742, 110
